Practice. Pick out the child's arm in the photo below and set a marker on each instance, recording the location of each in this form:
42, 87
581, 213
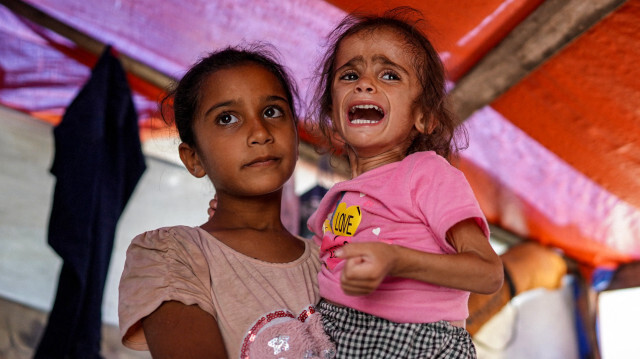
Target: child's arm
475, 267
176, 330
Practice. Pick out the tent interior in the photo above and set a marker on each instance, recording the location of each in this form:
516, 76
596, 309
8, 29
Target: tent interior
548, 92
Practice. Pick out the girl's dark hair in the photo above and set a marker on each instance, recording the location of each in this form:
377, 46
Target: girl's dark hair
184, 98
447, 137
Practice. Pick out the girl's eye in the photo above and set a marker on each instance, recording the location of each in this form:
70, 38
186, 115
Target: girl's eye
349, 76
390, 75
272, 112
226, 119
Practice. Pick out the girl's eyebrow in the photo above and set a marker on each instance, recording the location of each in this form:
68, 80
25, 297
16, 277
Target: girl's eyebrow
275, 98
381, 59
351, 63
386, 61
218, 105
269, 98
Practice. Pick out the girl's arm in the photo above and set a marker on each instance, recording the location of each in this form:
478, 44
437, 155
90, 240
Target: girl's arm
475, 267
176, 330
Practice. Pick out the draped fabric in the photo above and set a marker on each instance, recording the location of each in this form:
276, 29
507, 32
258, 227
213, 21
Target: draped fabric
97, 164
554, 159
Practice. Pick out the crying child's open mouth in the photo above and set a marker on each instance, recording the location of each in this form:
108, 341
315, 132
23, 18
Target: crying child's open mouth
365, 114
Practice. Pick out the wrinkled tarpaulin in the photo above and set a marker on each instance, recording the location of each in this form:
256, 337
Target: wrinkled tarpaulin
524, 187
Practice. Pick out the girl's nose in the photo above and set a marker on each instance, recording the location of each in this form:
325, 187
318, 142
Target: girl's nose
365, 84
259, 133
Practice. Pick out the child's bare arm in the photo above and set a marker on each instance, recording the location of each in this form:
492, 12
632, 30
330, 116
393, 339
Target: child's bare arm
176, 330
475, 267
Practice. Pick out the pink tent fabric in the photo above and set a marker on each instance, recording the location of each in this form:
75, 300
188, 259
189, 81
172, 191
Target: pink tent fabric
41, 72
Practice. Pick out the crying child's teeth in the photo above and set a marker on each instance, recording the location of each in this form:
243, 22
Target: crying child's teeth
365, 107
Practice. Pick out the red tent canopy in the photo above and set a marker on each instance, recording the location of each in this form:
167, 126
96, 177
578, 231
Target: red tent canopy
554, 155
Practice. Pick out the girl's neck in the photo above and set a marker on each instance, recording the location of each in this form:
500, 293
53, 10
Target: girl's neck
260, 213
360, 164
252, 226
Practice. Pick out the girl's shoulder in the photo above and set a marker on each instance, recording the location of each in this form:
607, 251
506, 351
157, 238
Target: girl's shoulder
422, 158
172, 241
168, 235
170, 265
428, 164
186, 240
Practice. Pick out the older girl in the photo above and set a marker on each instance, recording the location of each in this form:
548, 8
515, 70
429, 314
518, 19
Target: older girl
240, 285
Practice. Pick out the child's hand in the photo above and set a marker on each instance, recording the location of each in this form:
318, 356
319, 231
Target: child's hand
365, 266
213, 205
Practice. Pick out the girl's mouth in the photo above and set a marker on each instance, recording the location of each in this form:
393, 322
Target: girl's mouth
365, 114
262, 161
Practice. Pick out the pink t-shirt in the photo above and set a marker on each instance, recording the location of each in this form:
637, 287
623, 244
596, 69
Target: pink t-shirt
412, 203
263, 310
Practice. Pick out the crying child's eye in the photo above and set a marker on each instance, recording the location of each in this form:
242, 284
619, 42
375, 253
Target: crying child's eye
389, 75
349, 76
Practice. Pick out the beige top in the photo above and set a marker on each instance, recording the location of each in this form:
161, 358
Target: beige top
189, 265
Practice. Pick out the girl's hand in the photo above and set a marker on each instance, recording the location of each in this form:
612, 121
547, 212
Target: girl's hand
365, 266
474, 268
213, 205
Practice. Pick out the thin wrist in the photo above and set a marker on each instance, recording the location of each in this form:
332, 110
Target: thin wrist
395, 255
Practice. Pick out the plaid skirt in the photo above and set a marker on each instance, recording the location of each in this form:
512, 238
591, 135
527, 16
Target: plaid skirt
362, 335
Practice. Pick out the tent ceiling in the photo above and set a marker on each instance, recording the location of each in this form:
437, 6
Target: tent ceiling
463, 31
554, 157
583, 104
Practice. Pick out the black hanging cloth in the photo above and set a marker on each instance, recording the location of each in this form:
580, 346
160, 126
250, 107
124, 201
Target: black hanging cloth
97, 164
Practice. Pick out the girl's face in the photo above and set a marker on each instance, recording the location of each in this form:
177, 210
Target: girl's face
374, 92
245, 133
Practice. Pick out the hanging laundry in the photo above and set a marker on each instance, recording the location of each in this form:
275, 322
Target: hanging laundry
97, 163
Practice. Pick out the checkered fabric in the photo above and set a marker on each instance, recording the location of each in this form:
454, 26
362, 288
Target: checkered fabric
361, 335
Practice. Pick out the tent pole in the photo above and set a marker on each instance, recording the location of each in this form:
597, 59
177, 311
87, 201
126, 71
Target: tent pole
548, 29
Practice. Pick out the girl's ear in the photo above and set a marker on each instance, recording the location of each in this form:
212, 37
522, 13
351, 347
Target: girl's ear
419, 122
425, 124
191, 160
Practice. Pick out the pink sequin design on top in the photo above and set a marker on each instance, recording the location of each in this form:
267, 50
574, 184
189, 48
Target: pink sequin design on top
280, 334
